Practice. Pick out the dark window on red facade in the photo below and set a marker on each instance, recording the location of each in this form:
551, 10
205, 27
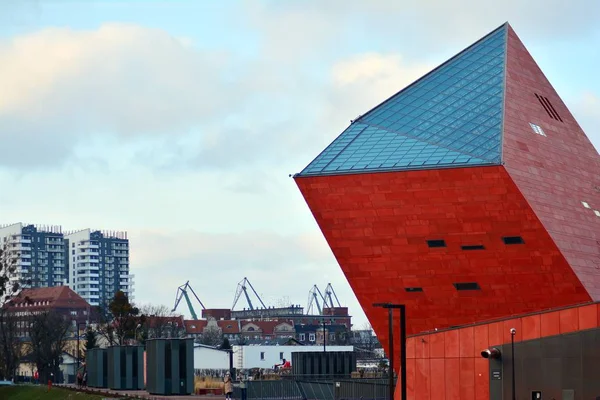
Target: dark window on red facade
548, 107
513, 240
413, 289
473, 247
436, 243
467, 286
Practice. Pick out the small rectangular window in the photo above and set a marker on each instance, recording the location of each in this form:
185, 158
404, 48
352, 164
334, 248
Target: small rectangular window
262, 355
513, 240
436, 243
537, 129
281, 355
473, 247
467, 286
413, 289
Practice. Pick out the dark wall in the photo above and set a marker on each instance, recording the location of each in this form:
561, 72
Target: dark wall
563, 367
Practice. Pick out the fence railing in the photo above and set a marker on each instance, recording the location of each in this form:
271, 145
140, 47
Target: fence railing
315, 388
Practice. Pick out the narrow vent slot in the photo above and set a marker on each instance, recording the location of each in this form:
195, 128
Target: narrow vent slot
473, 247
467, 286
545, 102
413, 289
513, 240
436, 243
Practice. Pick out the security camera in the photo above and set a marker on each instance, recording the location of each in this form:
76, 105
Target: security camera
492, 353
513, 331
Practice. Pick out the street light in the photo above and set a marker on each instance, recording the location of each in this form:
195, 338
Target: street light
513, 332
135, 332
391, 308
78, 350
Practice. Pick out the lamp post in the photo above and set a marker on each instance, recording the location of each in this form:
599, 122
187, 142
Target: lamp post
391, 308
513, 332
78, 349
136, 334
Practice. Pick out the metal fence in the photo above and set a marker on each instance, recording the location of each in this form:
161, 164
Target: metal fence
315, 388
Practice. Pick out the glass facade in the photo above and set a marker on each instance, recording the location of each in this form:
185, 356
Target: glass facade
450, 117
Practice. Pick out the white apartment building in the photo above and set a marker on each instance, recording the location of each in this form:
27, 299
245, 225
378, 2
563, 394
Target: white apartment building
98, 265
38, 252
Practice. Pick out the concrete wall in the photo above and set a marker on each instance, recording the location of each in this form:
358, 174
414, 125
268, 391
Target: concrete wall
207, 358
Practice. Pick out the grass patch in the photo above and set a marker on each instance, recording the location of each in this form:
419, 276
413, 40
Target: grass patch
30, 392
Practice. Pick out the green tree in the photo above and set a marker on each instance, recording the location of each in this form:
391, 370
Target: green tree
125, 318
91, 339
225, 345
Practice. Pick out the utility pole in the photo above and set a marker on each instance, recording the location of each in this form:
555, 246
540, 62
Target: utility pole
391, 308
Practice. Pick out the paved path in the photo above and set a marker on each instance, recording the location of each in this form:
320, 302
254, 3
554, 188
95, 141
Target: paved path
141, 394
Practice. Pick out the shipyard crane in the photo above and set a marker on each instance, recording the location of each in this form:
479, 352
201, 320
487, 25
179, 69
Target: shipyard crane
242, 287
313, 299
182, 292
328, 299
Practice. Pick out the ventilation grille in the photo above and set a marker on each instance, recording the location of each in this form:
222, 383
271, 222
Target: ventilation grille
548, 107
467, 286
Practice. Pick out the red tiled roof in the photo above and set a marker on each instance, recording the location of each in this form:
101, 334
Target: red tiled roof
50, 297
153, 321
194, 326
229, 326
267, 327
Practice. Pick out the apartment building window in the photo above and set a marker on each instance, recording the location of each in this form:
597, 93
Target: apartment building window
311, 337
302, 337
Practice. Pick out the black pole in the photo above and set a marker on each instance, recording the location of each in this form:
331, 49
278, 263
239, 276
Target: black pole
78, 355
324, 338
403, 350
512, 341
391, 352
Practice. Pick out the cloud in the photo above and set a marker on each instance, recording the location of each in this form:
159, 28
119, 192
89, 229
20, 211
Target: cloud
276, 265
60, 86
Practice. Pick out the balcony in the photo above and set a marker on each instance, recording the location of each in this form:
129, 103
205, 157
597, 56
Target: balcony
55, 249
25, 263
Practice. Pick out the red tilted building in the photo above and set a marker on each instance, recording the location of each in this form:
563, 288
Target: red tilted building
472, 196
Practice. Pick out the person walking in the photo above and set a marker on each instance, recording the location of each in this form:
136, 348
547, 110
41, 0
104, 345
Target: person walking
228, 386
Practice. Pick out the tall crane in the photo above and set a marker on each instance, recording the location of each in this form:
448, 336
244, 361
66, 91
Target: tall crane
242, 287
313, 299
182, 292
328, 299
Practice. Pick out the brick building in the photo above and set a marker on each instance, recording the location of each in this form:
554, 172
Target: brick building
59, 299
471, 195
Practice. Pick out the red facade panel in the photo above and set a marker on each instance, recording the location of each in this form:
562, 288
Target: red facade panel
467, 375
556, 172
377, 226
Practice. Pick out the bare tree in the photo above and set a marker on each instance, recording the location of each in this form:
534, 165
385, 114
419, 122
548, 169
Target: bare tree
8, 269
49, 332
10, 346
365, 342
211, 336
